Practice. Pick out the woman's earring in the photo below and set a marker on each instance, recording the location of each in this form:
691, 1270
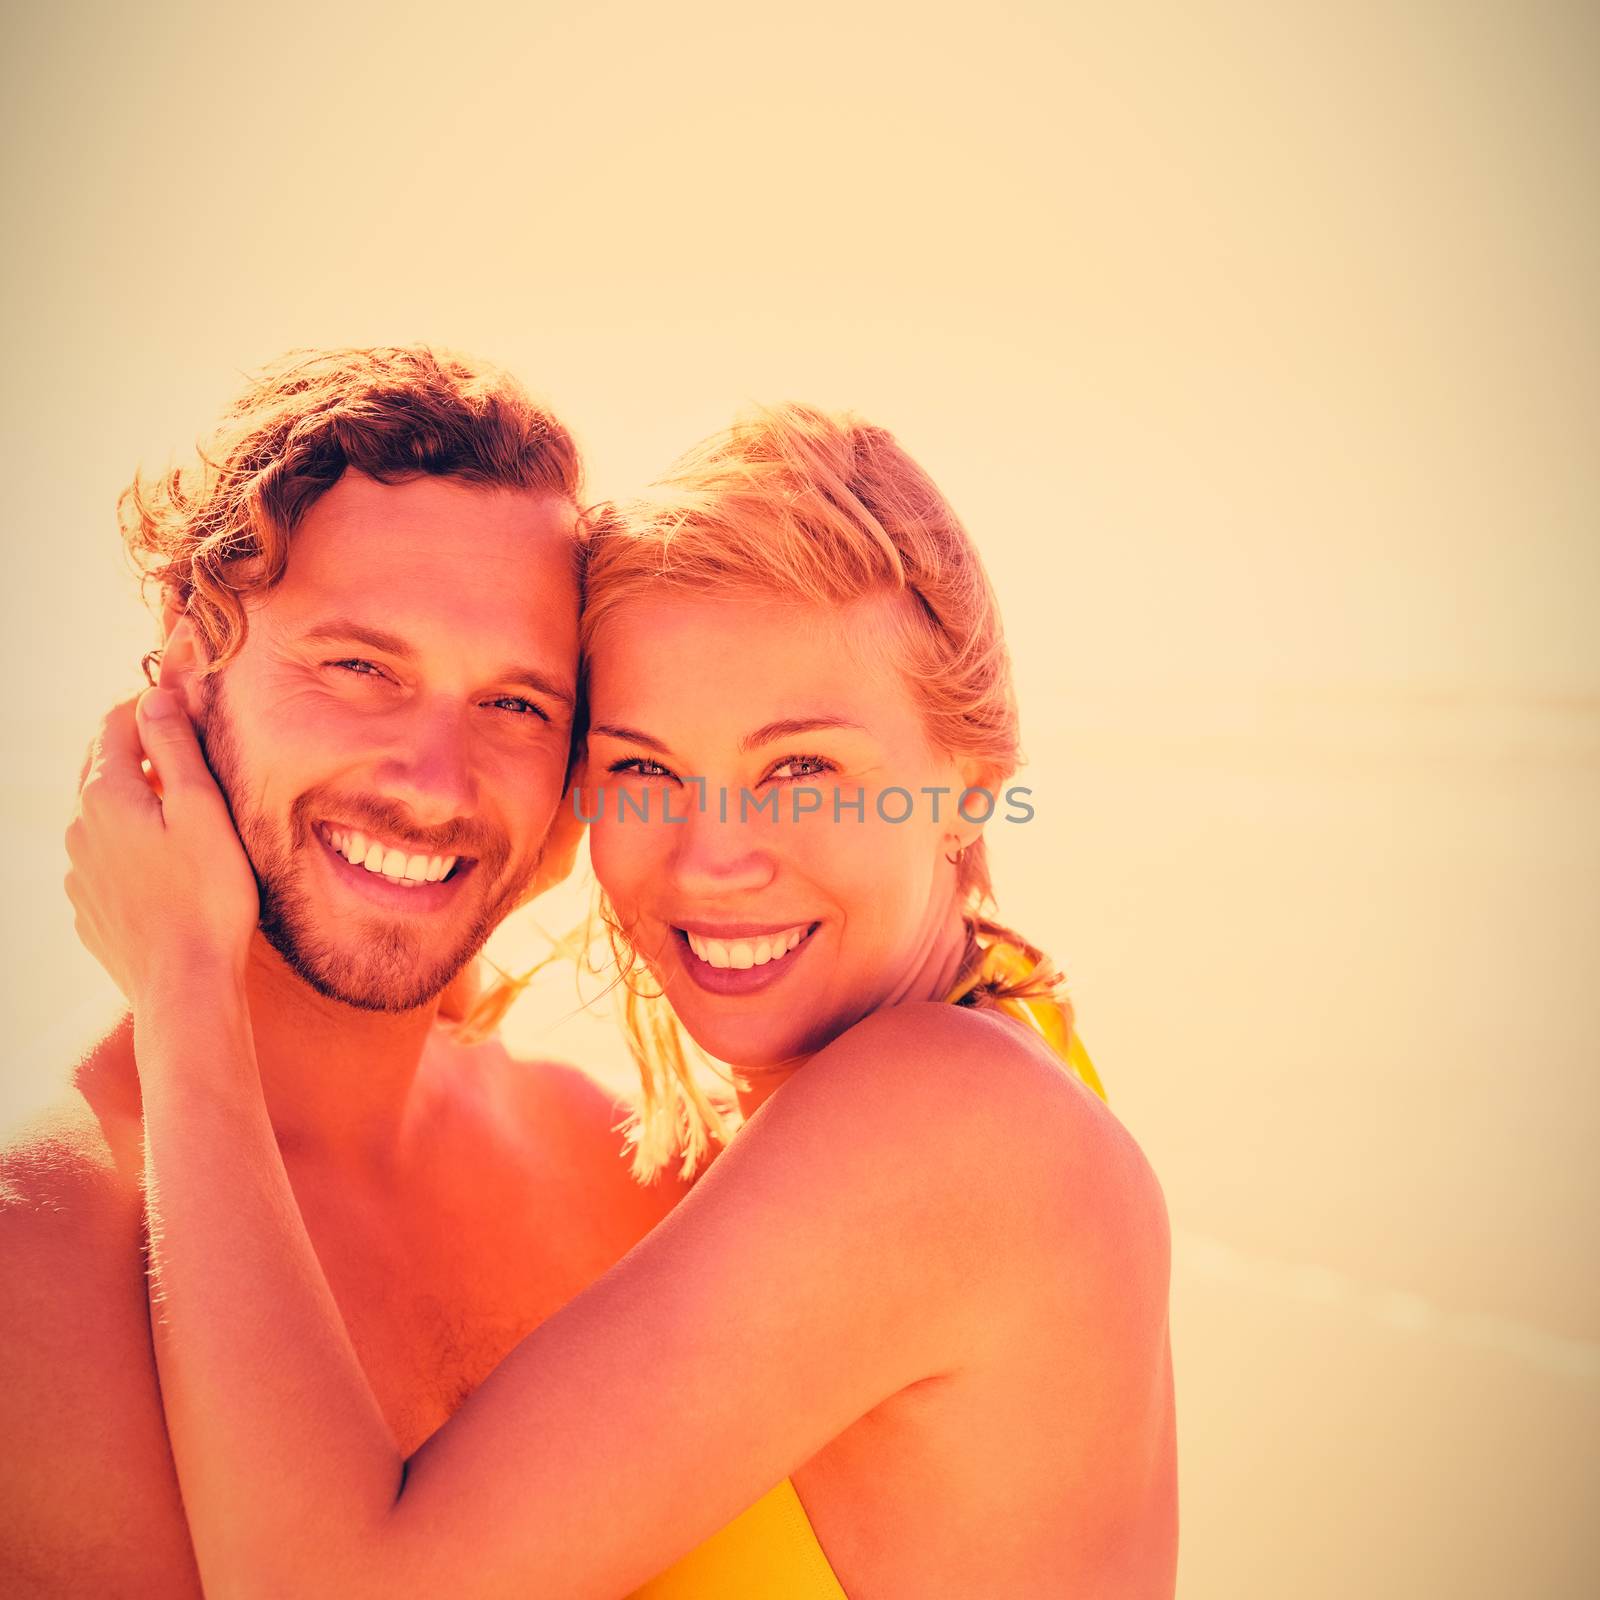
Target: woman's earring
955, 860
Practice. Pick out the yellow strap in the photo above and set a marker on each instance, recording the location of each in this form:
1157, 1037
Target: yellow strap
1048, 1018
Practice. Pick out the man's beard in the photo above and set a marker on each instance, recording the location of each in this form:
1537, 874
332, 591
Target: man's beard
384, 967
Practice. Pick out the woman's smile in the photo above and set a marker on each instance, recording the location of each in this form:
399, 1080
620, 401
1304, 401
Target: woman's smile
849, 903
740, 958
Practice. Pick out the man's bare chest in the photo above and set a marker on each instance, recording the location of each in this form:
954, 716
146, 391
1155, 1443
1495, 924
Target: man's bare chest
436, 1296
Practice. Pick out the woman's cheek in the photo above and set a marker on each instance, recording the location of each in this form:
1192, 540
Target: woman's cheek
842, 848
602, 848
622, 856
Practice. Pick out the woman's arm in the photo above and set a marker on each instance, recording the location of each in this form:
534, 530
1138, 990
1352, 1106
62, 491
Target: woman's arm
166, 901
873, 1226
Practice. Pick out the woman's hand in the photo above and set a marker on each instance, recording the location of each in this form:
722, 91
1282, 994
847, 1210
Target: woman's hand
161, 885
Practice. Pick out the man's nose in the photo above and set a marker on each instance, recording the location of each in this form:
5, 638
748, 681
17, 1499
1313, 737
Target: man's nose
429, 767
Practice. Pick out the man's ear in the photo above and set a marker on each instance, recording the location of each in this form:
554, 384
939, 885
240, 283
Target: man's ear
181, 660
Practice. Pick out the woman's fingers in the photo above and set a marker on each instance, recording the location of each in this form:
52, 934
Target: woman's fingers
113, 784
114, 741
159, 880
168, 741
178, 767
199, 823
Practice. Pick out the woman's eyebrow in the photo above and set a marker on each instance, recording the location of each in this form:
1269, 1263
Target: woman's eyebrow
788, 727
784, 728
613, 730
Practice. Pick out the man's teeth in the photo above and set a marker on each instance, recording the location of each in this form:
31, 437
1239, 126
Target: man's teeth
386, 860
741, 953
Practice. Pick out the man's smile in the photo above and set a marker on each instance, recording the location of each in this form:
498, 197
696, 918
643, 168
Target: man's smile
392, 861
389, 873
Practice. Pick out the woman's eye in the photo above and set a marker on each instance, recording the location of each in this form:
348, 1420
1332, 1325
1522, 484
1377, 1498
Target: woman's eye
789, 767
639, 767
361, 669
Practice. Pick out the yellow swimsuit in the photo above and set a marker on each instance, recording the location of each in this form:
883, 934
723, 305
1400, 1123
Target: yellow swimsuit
770, 1551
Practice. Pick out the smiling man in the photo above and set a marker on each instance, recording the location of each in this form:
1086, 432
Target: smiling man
370, 608
394, 740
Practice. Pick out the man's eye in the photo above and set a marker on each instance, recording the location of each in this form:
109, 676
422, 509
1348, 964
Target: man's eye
362, 669
518, 707
788, 767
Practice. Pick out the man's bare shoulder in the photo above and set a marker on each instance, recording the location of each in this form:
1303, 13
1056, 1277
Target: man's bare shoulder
71, 1251
73, 1169
87, 1488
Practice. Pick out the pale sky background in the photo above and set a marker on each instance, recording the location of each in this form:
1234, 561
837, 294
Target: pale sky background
1257, 346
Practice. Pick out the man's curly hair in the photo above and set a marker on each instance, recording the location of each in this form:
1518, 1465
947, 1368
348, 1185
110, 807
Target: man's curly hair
212, 533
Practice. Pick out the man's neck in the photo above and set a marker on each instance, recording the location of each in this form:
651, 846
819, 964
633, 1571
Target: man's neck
338, 1081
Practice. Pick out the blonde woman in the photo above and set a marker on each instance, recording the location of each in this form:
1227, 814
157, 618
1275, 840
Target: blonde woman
907, 1334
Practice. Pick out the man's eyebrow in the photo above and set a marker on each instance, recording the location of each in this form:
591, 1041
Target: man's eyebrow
784, 728
391, 644
539, 682
343, 631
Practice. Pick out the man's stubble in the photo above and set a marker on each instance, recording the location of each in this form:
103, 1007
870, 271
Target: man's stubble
387, 967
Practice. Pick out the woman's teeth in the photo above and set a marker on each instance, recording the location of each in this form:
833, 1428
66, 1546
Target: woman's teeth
386, 861
741, 953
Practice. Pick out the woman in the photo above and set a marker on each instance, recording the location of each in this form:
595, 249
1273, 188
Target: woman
923, 1290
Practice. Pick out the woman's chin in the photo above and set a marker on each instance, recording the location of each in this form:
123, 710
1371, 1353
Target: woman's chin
756, 1038
752, 1044
757, 1017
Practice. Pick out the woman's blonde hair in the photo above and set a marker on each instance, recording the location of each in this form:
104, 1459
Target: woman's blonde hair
793, 503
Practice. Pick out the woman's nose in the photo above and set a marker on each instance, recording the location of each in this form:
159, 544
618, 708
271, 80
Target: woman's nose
718, 856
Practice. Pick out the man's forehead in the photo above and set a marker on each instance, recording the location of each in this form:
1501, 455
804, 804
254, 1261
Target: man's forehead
431, 562
431, 510
430, 533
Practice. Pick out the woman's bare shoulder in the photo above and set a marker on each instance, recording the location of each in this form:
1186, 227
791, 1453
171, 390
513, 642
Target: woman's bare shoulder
996, 1134
968, 1074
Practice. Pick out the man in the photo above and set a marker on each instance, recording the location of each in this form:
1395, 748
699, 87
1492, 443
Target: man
370, 610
